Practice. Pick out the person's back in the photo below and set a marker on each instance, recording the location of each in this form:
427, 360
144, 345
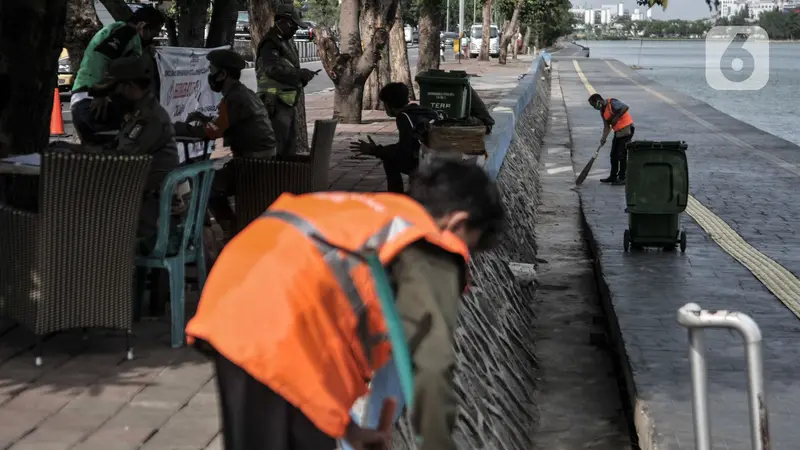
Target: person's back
250, 132
301, 268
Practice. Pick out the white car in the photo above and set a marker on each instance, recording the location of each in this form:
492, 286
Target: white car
476, 39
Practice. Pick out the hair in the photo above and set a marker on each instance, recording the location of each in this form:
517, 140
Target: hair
149, 15
232, 73
595, 98
445, 186
394, 95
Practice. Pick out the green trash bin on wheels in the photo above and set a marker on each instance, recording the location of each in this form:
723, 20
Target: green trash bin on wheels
656, 193
445, 91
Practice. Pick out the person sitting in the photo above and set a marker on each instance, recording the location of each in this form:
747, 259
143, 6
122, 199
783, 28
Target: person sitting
401, 157
242, 122
92, 113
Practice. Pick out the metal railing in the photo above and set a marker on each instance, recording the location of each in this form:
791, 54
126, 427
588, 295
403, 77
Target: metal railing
695, 320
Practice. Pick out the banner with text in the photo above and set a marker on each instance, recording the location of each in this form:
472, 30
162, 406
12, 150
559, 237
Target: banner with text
184, 86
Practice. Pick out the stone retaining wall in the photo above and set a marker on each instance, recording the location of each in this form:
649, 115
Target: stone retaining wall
494, 346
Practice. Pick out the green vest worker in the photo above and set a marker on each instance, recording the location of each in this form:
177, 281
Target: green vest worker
280, 77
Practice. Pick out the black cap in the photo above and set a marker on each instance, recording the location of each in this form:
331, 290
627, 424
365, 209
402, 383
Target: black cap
226, 59
128, 68
290, 12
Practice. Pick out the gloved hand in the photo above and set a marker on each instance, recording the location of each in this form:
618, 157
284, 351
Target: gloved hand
307, 75
197, 116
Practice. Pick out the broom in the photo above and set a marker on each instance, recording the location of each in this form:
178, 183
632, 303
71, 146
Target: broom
585, 172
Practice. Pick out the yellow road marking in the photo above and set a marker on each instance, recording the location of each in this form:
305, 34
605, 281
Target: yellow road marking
781, 282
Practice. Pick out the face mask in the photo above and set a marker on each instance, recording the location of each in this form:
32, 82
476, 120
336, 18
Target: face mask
214, 83
122, 101
287, 31
598, 106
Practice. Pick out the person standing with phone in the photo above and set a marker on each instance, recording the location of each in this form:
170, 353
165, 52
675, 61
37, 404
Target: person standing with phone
280, 78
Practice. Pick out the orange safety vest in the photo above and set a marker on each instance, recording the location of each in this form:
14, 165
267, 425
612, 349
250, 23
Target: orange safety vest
624, 121
297, 313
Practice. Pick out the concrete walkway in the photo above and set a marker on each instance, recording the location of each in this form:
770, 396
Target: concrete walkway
86, 396
742, 255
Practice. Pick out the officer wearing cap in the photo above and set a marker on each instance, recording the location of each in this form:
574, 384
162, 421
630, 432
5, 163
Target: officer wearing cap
242, 122
146, 130
280, 78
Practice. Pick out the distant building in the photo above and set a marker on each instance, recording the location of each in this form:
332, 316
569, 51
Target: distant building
636, 16
649, 13
621, 9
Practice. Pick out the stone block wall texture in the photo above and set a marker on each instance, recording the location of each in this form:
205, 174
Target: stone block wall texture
494, 346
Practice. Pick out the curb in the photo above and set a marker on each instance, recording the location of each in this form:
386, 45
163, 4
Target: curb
641, 425
506, 114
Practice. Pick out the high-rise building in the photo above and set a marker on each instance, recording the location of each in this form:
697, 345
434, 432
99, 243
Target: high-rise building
621, 9
649, 13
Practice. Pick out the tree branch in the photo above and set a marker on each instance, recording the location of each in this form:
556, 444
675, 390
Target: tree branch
367, 61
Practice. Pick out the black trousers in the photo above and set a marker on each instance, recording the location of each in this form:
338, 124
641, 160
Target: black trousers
395, 164
254, 417
619, 155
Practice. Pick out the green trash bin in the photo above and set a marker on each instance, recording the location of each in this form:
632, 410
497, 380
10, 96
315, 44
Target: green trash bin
444, 91
656, 193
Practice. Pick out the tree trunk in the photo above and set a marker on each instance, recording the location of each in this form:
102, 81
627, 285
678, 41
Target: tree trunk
526, 41
262, 14
371, 19
429, 27
348, 65
172, 32
31, 39
515, 44
118, 9
486, 30
509, 32
398, 55
80, 27
223, 23
192, 15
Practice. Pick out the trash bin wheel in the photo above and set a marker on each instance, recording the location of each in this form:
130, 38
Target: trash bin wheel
626, 240
683, 241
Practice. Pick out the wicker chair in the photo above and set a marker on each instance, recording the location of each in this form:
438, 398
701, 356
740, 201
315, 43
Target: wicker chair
259, 182
321, 148
71, 265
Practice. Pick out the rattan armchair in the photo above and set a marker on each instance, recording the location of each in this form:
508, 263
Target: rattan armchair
71, 265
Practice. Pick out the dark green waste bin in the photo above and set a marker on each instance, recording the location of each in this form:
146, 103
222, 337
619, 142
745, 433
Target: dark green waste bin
656, 193
444, 91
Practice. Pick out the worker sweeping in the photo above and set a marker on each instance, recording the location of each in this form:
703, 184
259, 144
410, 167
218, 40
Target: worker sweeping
617, 118
291, 317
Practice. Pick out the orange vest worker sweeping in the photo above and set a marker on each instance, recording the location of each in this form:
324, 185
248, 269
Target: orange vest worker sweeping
625, 121
289, 304
616, 117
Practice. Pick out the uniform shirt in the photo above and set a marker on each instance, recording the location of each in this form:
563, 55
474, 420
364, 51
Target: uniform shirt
148, 131
429, 282
273, 53
616, 106
242, 121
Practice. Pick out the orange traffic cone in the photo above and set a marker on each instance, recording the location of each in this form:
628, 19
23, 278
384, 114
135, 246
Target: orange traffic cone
56, 120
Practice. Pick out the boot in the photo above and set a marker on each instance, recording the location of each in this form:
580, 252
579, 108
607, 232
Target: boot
609, 179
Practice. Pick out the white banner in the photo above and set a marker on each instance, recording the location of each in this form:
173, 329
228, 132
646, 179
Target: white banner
184, 86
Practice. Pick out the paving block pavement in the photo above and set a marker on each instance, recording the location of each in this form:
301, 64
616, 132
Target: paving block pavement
742, 176
87, 396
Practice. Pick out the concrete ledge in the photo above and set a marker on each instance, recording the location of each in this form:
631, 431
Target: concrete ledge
507, 113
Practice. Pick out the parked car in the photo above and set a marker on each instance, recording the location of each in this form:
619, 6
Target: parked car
242, 25
307, 34
411, 34
65, 75
447, 38
476, 39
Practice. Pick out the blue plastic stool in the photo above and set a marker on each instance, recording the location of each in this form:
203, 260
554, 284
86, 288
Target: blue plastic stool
189, 239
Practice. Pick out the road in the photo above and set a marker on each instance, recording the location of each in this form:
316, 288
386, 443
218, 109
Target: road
319, 84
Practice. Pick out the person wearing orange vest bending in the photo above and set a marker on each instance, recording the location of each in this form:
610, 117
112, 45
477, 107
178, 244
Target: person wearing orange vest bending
615, 117
291, 317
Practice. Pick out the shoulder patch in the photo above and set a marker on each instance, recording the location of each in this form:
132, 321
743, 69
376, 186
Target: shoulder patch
136, 130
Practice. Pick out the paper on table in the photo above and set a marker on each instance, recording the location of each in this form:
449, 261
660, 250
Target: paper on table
34, 159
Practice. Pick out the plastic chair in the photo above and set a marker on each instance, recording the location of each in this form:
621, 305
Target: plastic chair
190, 249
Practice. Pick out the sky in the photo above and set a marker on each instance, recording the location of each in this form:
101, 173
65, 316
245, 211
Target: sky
678, 9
